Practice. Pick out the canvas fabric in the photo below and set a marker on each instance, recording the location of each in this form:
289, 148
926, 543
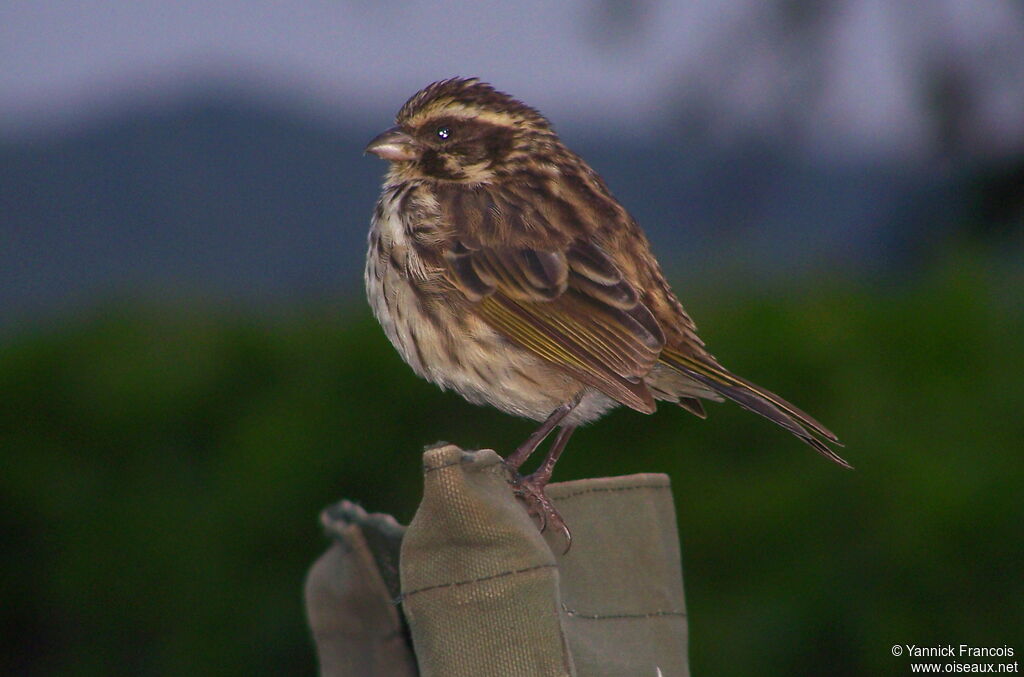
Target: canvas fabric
472, 588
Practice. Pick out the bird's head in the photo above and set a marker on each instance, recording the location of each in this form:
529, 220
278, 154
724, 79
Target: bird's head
462, 130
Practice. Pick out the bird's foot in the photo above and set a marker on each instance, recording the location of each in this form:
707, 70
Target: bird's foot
530, 490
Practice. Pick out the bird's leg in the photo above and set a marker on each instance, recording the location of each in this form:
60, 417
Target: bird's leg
530, 488
516, 459
542, 475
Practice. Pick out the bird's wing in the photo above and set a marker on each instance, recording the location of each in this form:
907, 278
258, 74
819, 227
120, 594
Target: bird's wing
560, 297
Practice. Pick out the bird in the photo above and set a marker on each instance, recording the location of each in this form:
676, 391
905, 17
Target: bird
500, 266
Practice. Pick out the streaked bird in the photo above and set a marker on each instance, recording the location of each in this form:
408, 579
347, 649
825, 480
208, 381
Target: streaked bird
501, 267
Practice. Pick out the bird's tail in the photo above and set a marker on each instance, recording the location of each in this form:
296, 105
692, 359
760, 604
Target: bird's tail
756, 399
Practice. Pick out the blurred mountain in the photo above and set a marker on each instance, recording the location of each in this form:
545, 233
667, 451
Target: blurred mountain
208, 197
227, 200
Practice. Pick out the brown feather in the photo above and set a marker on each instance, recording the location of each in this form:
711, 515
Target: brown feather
756, 399
570, 303
563, 353
693, 405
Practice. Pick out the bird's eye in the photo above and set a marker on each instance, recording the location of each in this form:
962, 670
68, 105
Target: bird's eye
443, 132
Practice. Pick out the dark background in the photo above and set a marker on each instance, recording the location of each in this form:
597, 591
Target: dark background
189, 372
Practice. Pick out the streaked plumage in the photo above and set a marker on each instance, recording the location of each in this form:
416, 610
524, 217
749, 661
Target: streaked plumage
500, 266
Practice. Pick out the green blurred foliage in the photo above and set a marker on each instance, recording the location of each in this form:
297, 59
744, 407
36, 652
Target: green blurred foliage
164, 468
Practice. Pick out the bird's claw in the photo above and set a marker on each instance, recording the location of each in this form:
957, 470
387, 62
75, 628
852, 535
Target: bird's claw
530, 490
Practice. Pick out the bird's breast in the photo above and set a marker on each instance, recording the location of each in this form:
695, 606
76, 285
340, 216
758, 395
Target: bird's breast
437, 332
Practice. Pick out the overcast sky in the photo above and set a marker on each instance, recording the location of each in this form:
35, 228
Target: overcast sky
851, 76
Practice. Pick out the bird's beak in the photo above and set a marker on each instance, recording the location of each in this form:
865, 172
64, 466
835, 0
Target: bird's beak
393, 144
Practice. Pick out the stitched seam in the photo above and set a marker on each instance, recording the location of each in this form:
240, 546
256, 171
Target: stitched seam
595, 490
602, 617
482, 579
427, 469
432, 468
